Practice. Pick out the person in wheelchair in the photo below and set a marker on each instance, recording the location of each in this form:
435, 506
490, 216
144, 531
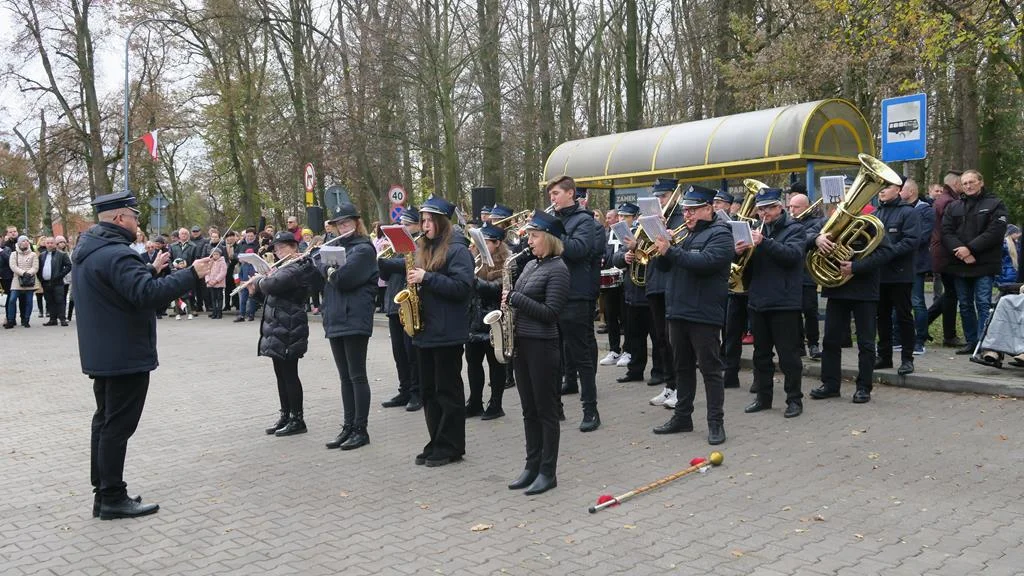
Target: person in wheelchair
1002, 334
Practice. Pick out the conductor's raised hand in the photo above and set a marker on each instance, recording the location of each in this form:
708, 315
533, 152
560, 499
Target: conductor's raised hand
203, 266
161, 260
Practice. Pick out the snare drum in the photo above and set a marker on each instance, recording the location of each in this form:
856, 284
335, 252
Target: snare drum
611, 278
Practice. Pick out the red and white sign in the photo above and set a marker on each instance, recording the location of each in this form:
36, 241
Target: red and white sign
309, 177
397, 194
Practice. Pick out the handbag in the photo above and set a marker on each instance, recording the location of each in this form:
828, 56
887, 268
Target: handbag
28, 280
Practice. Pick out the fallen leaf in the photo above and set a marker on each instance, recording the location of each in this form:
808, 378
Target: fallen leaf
629, 526
737, 553
858, 432
482, 527
873, 456
569, 540
981, 424
343, 494
1004, 437
819, 518
521, 525
424, 506
858, 536
800, 530
787, 508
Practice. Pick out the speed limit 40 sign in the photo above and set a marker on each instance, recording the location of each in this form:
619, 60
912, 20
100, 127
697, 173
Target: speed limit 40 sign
397, 194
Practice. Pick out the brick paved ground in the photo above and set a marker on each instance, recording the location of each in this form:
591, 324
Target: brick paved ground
913, 483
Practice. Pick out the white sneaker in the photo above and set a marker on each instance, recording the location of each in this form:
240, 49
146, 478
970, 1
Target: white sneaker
659, 400
190, 316
624, 360
178, 317
671, 401
610, 359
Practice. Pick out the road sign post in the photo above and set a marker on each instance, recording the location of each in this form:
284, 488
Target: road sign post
309, 179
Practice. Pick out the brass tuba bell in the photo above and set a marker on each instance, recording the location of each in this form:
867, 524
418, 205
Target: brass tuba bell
855, 235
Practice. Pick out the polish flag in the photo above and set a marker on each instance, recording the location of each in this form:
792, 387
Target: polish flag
150, 140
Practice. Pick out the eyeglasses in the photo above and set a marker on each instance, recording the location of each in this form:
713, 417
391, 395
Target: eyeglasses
693, 210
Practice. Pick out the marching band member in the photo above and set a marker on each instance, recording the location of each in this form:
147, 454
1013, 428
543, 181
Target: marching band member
486, 296
402, 349
638, 313
349, 294
775, 271
576, 320
698, 281
736, 320
798, 207
284, 330
662, 371
539, 294
903, 229
610, 297
444, 273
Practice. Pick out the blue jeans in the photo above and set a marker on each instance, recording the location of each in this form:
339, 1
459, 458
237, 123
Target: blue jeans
24, 298
246, 304
920, 309
975, 297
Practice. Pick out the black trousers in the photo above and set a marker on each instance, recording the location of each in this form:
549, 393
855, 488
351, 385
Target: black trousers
216, 300
613, 304
639, 327
697, 346
119, 403
661, 352
809, 331
945, 306
200, 297
289, 387
538, 383
350, 358
778, 330
732, 338
837, 322
496, 373
895, 297
444, 401
56, 302
579, 346
405, 357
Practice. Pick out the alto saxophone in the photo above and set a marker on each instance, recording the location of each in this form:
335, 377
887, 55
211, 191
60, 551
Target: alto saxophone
408, 301
503, 320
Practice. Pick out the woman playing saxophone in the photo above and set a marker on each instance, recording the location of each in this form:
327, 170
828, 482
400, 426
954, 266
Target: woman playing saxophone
486, 294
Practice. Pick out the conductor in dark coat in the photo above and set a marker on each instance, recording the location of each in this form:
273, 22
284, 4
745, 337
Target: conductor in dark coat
117, 295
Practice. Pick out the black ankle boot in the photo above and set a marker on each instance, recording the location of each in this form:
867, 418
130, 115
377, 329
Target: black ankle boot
281, 421
493, 411
357, 438
346, 431
295, 425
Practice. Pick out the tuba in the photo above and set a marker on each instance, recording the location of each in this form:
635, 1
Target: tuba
745, 214
645, 249
855, 235
408, 301
503, 320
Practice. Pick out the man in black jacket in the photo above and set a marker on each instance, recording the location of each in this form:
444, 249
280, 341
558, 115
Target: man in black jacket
662, 371
774, 279
576, 320
973, 228
695, 294
903, 229
799, 204
54, 265
117, 296
922, 260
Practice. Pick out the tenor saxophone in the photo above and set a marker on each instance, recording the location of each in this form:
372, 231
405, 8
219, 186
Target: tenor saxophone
408, 301
503, 320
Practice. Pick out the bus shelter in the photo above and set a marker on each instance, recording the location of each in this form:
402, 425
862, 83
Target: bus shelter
800, 138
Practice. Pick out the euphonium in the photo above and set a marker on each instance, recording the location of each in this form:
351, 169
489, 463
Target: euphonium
645, 248
855, 235
503, 320
408, 301
745, 214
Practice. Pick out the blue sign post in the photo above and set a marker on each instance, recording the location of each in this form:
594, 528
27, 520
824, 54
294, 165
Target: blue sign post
905, 128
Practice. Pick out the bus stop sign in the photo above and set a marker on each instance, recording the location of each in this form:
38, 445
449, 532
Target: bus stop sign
905, 128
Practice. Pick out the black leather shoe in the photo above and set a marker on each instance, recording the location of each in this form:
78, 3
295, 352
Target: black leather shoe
493, 411
295, 425
731, 383
50, 323
630, 378
126, 508
434, 462
96, 504
281, 421
359, 437
240, 319
814, 352
421, 459
542, 484
8, 325
63, 322
756, 406
591, 420
675, 425
657, 380
967, 348
793, 409
569, 389
525, 479
346, 431
821, 392
882, 364
861, 396
415, 403
716, 433
952, 343
474, 409
906, 367
400, 400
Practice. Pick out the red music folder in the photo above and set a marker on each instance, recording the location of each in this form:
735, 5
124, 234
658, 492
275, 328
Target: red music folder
399, 238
